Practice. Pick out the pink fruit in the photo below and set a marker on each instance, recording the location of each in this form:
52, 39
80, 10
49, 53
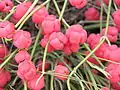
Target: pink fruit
78, 3
50, 24
112, 33
4, 77
76, 34
92, 14
33, 85
3, 50
26, 70
6, 28
22, 39
6, 5
61, 72
22, 56
40, 15
21, 9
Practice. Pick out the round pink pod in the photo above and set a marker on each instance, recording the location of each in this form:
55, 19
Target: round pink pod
22, 39
61, 70
26, 70
78, 3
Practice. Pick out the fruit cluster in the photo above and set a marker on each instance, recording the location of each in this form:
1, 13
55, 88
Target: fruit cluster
53, 39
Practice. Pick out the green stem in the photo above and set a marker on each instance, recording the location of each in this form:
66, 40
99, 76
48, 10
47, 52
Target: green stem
108, 16
44, 58
58, 10
7, 60
35, 44
84, 60
63, 9
25, 85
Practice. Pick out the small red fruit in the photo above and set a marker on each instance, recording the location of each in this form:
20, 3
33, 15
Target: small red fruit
26, 70
50, 24
4, 77
61, 72
22, 39
40, 15
33, 85
92, 14
22, 56
78, 3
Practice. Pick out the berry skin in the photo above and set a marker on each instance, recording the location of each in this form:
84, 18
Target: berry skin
44, 42
117, 2
3, 50
76, 34
22, 39
104, 1
6, 5
92, 14
105, 88
39, 65
6, 28
112, 53
26, 70
61, 63
61, 70
116, 18
32, 83
40, 15
22, 56
78, 3
50, 24
112, 33
21, 9
1, 88
4, 77
69, 48
113, 70
116, 86
57, 40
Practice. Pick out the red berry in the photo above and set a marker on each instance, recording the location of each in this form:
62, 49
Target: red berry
69, 48
117, 2
116, 86
40, 63
112, 33
22, 39
3, 50
61, 72
40, 15
104, 1
26, 70
105, 88
50, 24
44, 42
76, 34
33, 85
78, 3
1, 88
21, 9
6, 5
4, 77
22, 56
116, 18
92, 14
113, 70
112, 53
6, 28
57, 40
